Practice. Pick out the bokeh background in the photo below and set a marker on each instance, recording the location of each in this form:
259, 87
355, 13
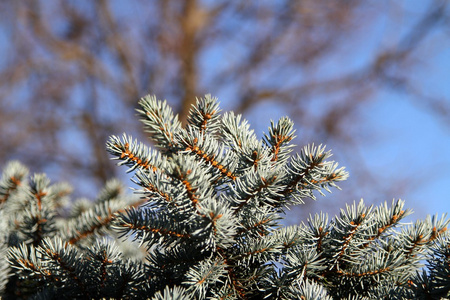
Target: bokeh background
370, 79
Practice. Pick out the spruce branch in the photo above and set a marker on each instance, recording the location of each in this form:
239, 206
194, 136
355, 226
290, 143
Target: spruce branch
134, 154
151, 228
386, 218
278, 139
242, 142
98, 273
204, 276
192, 182
159, 122
259, 222
96, 220
207, 224
309, 171
205, 148
436, 284
156, 187
12, 178
204, 116
256, 186
113, 188
416, 237
34, 212
24, 259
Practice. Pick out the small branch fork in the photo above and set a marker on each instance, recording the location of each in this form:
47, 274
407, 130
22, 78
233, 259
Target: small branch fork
206, 117
420, 240
277, 146
351, 234
380, 230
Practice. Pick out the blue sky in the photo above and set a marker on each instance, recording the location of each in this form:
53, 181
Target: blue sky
400, 138
411, 143
405, 139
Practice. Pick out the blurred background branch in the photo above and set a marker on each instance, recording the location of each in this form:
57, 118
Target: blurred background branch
71, 74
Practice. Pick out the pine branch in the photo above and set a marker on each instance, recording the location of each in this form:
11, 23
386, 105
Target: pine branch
159, 122
96, 221
134, 155
206, 149
278, 139
13, 177
207, 224
242, 142
203, 276
257, 185
151, 228
204, 116
308, 172
387, 218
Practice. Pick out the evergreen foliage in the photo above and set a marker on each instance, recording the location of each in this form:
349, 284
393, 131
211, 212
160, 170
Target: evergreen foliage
205, 224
